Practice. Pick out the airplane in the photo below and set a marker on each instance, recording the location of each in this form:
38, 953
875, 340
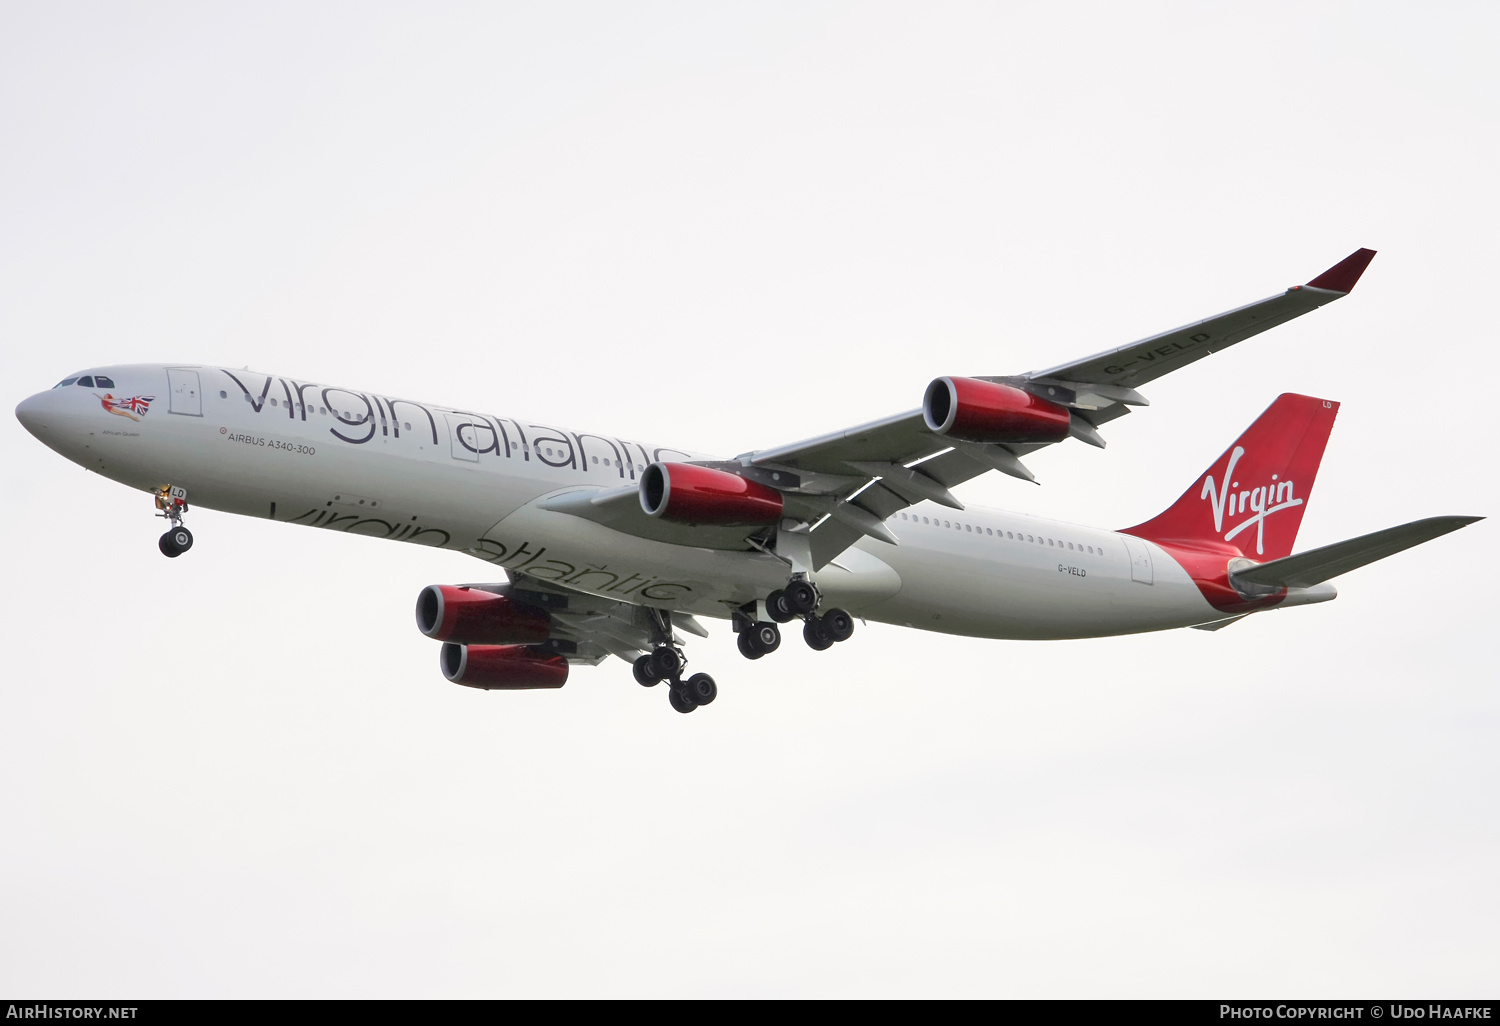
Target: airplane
613, 547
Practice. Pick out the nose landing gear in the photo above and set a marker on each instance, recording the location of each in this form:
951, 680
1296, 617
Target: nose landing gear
171, 503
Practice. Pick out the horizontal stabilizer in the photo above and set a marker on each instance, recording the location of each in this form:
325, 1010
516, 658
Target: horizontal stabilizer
1219, 625
1306, 569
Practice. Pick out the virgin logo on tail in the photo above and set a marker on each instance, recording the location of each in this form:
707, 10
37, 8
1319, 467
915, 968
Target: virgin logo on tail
1276, 460
1262, 501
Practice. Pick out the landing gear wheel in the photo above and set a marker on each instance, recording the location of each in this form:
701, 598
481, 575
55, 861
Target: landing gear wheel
816, 637
762, 639
175, 542
701, 689
680, 700
776, 606
643, 675
800, 597
765, 638
837, 624
666, 662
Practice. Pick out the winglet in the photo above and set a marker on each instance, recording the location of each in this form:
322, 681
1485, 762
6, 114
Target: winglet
1342, 275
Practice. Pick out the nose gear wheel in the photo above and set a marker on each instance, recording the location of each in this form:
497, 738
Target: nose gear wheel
175, 542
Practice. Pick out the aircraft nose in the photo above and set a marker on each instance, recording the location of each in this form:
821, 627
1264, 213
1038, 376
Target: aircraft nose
33, 414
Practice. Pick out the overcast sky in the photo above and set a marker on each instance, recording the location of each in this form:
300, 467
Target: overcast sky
725, 227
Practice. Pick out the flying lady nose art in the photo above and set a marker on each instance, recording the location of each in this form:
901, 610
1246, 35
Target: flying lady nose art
134, 407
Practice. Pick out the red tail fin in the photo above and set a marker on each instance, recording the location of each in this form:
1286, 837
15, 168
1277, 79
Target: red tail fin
1254, 495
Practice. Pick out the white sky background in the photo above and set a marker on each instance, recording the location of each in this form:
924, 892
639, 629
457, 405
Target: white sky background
729, 227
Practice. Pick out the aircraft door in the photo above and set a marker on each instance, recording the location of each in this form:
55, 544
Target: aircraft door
1140, 560
463, 436
186, 393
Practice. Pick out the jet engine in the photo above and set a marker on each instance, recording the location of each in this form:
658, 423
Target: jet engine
986, 411
502, 667
688, 494
468, 616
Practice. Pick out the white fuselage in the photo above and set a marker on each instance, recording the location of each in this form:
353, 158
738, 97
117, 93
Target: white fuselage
341, 459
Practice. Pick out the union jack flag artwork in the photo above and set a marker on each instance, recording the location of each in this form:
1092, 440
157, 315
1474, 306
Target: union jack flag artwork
136, 404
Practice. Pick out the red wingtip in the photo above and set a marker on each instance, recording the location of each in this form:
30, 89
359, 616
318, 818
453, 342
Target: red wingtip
1342, 275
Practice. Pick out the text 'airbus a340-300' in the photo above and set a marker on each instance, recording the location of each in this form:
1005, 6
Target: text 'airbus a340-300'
613, 547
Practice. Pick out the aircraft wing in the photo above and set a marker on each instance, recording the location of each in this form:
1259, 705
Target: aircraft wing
892, 463
848, 483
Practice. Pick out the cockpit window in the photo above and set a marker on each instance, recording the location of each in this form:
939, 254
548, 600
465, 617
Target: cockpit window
65, 382
100, 381
86, 381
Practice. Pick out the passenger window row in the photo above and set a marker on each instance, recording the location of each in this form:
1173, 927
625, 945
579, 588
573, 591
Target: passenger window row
954, 525
309, 408
362, 419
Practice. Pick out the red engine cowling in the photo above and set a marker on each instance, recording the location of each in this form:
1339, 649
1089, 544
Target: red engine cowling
469, 616
687, 494
502, 667
986, 411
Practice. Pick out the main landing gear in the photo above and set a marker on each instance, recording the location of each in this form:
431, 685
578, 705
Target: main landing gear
665, 663
800, 598
759, 639
171, 503
823, 632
